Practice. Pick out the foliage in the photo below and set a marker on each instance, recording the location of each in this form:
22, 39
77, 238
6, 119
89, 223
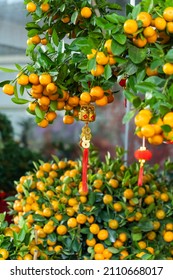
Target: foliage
70, 69
15, 159
50, 195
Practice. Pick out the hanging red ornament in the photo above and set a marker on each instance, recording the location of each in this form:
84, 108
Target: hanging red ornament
122, 83
87, 114
142, 154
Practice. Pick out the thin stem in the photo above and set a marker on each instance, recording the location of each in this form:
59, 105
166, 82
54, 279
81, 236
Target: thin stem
97, 12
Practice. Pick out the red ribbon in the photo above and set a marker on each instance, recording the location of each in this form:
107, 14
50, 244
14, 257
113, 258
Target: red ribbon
142, 155
84, 169
140, 176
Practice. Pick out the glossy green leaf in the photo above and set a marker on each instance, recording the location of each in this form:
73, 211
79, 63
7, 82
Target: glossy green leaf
4, 82
137, 55
44, 61
145, 225
55, 37
136, 236
128, 116
120, 38
145, 87
117, 48
136, 102
32, 32
169, 56
39, 113
91, 64
107, 72
19, 100
74, 17
129, 95
39, 218
103, 23
8, 70
112, 18
166, 128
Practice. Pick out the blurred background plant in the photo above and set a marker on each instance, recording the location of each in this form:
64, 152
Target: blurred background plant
15, 157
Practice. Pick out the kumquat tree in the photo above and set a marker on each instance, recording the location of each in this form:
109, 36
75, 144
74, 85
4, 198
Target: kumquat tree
88, 209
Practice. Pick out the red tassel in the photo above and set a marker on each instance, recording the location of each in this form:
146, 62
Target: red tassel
140, 178
84, 169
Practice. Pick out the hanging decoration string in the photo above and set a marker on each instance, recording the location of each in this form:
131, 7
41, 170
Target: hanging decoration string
86, 114
142, 154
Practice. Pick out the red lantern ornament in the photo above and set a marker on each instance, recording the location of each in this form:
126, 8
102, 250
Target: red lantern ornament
142, 154
87, 114
122, 83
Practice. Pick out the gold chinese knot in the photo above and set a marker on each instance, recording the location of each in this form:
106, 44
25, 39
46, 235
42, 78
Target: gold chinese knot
86, 114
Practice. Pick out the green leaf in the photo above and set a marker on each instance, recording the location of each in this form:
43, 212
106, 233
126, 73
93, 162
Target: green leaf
113, 250
74, 17
141, 76
120, 19
22, 234
120, 38
112, 235
166, 128
156, 80
32, 25
53, 105
8, 70
2, 217
112, 18
91, 198
136, 102
32, 32
145, 87
136, 11
104, 24
129, 95
113, 6
62, 8
39, 218
44, 61
131, 69
136, 236
117, 48
52, 236
169, 56
148, 5
39, 113
55, 37
137, 55
19, 67
128, 116
4, 82
91, 64
63, 72
19, 100
150, 208
85, 230
145, 225
107, 72
76, 245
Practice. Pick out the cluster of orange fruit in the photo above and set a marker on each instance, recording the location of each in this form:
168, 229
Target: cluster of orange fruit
154, 131
158, 28
67, 222
48, 98
46, 9
102, 58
